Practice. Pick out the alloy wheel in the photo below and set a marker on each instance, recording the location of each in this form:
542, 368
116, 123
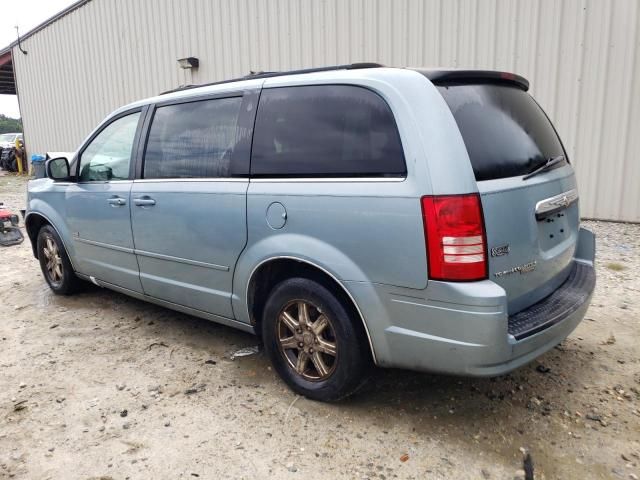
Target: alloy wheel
53, 260
307, 340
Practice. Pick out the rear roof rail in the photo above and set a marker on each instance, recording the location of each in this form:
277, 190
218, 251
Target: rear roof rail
252, 75
453, 77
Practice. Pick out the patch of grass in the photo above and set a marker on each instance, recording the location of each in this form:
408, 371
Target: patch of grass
616, 267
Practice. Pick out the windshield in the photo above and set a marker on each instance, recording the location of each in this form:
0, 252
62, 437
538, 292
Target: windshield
505, 131
8, 137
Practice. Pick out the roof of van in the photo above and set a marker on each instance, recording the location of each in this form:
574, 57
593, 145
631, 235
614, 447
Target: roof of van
255, 79
257, 75
437, 76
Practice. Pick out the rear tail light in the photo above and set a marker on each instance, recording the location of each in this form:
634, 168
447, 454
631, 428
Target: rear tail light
455, 237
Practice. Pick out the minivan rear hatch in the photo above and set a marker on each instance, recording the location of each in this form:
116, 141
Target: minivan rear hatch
530, 212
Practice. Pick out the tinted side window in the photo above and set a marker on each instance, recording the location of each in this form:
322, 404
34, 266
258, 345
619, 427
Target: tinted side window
325, 130
108, 156
505, 131
192, 140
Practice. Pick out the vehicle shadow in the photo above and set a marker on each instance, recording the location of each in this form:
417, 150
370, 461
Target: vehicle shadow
541, 388
533, 408
549, 380
479, 408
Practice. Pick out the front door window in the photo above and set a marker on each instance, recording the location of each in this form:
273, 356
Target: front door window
108, 156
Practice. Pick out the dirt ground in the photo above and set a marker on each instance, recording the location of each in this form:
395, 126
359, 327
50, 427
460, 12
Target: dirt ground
101, 386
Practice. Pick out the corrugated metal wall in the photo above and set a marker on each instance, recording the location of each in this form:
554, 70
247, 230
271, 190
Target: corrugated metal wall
581, 56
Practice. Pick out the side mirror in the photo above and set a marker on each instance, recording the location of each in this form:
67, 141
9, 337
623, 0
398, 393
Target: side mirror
57, 168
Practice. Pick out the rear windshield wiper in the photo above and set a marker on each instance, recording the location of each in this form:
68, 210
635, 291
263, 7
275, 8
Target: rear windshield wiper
546, 166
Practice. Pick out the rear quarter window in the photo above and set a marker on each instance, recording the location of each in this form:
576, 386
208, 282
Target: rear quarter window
505, 131
325, 131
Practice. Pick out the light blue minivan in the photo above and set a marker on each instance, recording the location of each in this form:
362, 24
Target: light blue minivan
351, 216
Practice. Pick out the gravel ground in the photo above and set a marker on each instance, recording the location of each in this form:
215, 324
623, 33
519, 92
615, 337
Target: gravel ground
101, 386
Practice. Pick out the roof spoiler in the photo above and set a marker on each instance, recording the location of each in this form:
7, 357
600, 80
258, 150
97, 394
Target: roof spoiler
452, 77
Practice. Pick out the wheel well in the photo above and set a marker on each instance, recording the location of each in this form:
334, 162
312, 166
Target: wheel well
271, 273
34, 223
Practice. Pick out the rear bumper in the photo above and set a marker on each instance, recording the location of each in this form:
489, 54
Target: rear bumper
464, 328
557, 307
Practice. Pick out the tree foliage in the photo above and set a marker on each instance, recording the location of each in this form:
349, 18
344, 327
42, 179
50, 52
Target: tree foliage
10, 125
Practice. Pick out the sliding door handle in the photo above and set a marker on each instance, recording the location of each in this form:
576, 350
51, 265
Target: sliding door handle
144, 201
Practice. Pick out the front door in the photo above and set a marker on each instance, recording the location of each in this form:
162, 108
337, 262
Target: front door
189, 210
98, 205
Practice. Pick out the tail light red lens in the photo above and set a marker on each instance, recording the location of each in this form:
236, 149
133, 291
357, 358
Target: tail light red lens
455, 237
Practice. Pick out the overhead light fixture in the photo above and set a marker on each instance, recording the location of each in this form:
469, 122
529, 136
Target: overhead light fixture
189, 62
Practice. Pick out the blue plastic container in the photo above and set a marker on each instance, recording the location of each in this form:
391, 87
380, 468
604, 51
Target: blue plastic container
37, 162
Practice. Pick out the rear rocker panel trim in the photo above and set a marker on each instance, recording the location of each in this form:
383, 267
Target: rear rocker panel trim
173, 306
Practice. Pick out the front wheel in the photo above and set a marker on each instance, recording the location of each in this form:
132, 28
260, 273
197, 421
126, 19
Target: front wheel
55, 263
313, 341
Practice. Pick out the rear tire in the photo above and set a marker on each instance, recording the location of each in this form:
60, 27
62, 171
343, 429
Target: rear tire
54, 262
313, 341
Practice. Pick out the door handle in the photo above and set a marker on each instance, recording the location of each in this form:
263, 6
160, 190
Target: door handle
144, 201
117, 201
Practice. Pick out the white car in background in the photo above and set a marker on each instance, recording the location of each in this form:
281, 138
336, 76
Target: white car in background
8, 140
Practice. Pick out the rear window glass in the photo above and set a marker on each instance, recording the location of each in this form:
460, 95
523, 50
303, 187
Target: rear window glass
325, 130
192, 140
505, 131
